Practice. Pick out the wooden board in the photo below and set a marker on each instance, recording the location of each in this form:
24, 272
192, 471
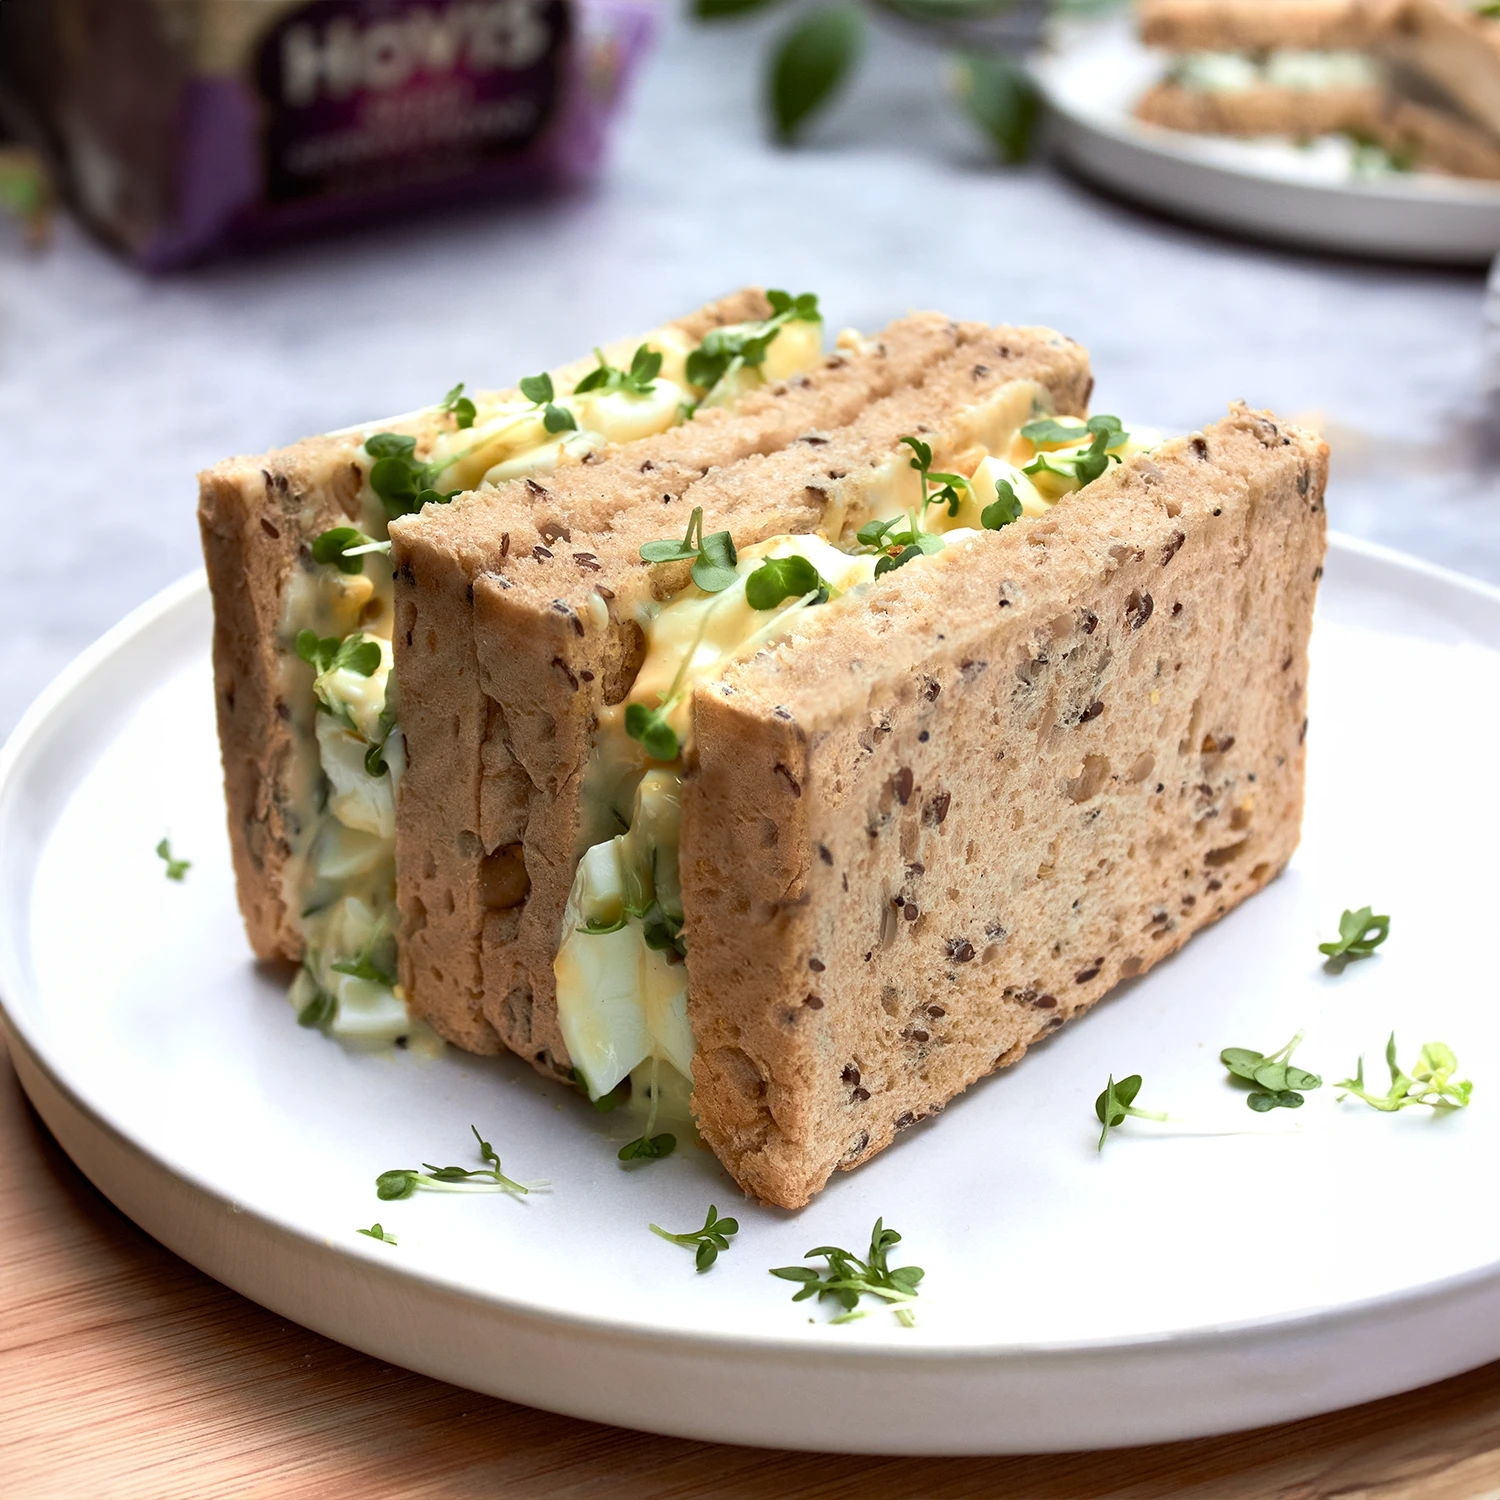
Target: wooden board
126, 1373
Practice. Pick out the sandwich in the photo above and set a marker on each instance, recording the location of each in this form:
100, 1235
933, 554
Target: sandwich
1411, 84
814, 756
294, 543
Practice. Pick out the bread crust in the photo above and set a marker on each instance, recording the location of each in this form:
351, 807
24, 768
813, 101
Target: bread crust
257, 519
924, 833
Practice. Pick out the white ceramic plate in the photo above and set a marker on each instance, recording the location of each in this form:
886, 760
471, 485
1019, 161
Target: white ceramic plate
1097, 72
1179, 1283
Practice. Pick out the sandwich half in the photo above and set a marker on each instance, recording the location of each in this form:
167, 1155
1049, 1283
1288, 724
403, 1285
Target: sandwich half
295, 542
523, 621
834, 782
1412, 83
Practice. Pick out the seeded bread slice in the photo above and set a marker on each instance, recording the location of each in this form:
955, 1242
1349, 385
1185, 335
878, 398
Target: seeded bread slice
1263, 25
258, 517
1299, 113
926, 831
556, 640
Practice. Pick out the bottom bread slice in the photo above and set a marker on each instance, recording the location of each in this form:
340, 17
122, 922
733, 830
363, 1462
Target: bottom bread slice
1301, 114
923, 833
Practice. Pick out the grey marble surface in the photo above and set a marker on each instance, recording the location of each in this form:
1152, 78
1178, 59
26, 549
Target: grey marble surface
115, 389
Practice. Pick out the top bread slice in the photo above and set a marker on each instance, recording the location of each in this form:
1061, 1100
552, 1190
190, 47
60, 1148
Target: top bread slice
1265, 25
258, 518
922, 832
554, 636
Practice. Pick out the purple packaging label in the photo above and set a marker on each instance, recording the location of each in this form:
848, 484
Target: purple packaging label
357, 96
188, 127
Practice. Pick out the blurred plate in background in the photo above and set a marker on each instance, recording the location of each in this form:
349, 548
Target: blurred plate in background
1273, 190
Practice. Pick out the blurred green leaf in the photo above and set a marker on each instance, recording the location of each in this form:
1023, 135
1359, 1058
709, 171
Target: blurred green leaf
718, 10
810, 61
1000, 97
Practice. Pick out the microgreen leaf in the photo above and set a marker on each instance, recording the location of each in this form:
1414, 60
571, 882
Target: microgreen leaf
638, 380
712, 1238
1261, 1101
714, 570
1117, 1101
402, 481
874, 533
713, 556
648, 1148
778, 578
650, 727
538, 390
319, 1012
375, 1232
1050, 430
458, 406
355, 653
390, 445
810, 61
846, 1278
404, 1181
1430, 1081
662, 932
922, 460
950, 484
724, 351
1005, 509
1277, 1084
1360, 934
176, 868
333, 547
366, 966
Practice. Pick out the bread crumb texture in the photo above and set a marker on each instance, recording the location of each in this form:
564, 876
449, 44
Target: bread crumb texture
922, 835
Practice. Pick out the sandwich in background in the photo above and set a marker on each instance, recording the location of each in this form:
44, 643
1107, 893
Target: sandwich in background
1412, 84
